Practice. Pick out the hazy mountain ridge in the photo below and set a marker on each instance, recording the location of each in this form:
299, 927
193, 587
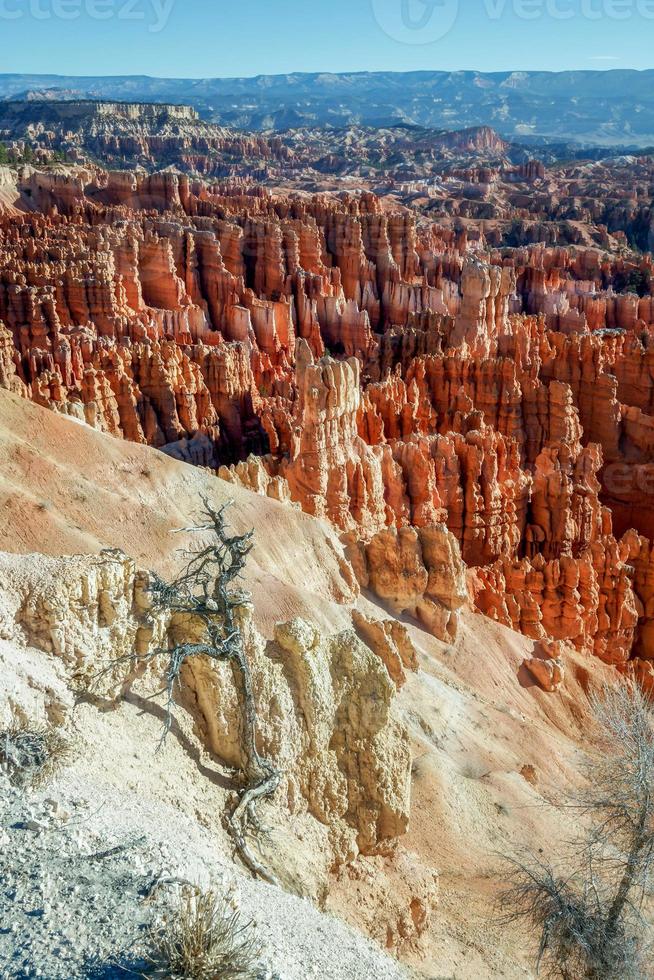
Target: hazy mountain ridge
602, 107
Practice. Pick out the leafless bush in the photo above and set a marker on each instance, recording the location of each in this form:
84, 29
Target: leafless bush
591, 918
30, 754
204, 940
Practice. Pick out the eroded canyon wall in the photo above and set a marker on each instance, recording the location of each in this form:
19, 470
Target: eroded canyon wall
435, 398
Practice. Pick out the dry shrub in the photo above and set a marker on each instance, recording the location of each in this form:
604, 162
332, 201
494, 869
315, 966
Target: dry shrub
569, 917
30, 754
592, 915
203, 939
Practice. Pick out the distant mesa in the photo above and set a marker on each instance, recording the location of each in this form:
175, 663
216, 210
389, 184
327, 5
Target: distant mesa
85, 110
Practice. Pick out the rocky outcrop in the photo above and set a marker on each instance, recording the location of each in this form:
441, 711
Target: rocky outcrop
8, 377
390, 641
327, 713
588, 600
548, 674
415, 571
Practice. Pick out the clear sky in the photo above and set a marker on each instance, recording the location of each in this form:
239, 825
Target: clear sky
208, 38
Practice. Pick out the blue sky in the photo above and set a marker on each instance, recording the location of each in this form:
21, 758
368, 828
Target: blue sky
200, 38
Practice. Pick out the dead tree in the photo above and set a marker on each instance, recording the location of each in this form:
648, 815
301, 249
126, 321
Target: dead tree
592, 916
203, 602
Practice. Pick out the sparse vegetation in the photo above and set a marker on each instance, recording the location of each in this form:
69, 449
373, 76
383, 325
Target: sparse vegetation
203, 939
592, 917
635, 281
30, 754
13, 158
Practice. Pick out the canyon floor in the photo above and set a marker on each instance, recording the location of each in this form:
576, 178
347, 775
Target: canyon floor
492, 754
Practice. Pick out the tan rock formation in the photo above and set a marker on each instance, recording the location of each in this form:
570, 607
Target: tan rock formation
390, 640
327, 703
549, 674
8, 376
418, 572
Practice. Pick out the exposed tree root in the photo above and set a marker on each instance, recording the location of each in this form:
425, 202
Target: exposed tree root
204, 592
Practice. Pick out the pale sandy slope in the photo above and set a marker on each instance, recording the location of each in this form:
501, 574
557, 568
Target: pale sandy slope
66, 489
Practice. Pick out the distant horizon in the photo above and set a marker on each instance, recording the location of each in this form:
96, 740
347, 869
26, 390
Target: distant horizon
326, 71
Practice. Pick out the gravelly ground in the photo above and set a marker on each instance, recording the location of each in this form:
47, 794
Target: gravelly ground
78, 889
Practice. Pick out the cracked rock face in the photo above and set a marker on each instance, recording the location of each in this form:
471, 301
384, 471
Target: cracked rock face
327, 714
